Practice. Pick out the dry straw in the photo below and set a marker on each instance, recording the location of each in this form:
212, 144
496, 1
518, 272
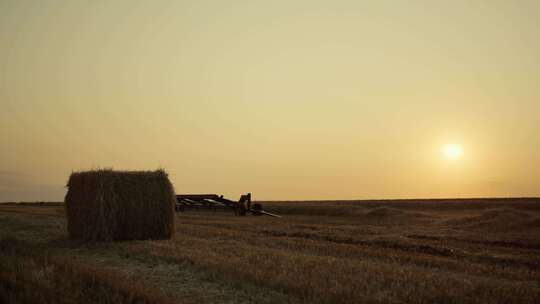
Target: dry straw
112, 205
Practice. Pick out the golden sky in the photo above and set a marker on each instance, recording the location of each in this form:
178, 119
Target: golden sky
296, 99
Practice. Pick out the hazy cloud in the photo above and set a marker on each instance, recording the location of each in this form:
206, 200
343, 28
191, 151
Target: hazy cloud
20, 186
4, 172
11, 179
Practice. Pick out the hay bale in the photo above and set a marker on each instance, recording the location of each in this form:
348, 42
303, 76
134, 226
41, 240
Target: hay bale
112, 205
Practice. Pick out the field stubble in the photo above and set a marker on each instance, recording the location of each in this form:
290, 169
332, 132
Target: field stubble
458, 251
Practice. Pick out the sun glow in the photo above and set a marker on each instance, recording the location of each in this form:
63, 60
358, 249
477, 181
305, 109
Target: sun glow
452, 151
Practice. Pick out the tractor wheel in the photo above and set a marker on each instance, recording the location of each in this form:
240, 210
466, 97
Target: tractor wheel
242, 209
257, 208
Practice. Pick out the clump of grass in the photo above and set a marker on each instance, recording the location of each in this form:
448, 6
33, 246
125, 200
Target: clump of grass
120, 205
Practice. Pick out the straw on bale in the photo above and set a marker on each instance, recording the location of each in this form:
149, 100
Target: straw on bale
111, 205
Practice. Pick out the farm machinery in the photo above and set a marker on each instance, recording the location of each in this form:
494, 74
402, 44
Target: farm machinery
215, 202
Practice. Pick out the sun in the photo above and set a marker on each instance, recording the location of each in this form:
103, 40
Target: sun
452, 151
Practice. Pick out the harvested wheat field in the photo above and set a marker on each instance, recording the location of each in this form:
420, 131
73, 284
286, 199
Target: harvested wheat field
428, 251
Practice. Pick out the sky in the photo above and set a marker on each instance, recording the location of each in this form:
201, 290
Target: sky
288, 100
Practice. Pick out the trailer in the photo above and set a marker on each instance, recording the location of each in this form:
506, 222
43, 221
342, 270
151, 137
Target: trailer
241, 207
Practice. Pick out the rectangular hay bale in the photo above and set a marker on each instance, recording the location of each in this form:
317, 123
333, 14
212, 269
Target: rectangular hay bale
109, 205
